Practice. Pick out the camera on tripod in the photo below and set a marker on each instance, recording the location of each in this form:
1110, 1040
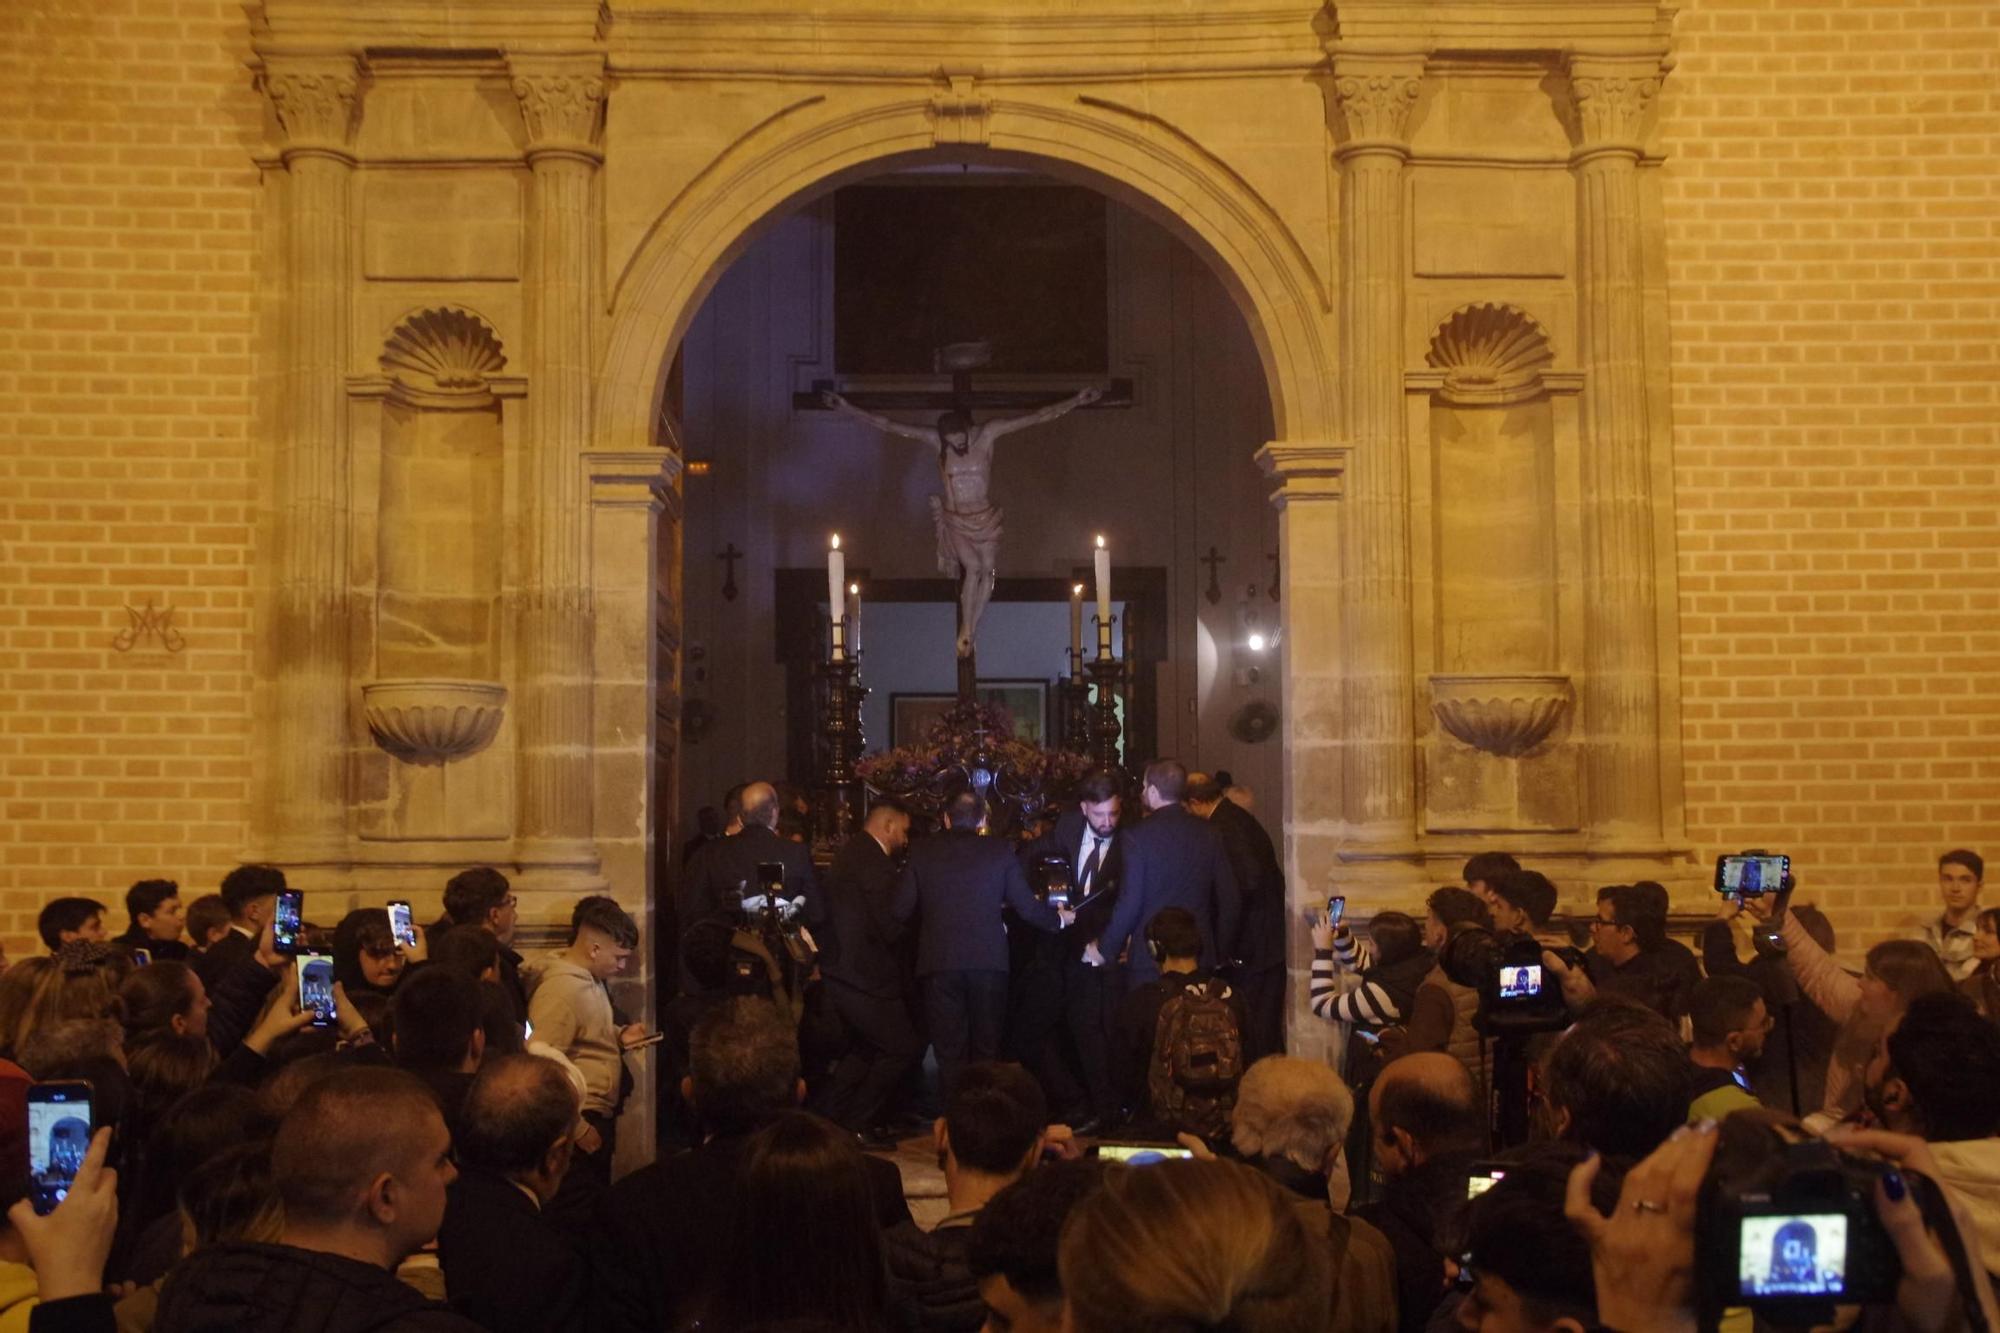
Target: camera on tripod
778, 920
1518, 994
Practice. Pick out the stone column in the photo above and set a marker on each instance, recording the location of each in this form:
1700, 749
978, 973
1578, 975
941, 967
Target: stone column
315, 99
1621, 682
1374, 97
1310, 477
562, 100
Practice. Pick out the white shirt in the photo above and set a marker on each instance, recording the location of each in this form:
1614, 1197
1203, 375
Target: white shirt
1091, 839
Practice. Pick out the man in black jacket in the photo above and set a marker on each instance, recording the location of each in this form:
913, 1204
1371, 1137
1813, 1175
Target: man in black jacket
725, 872
956, 883
439, 1038
1428, 1130
660, 1231
1059, 994
1172, 859
505, 1267
864, 981
362, 1163
483, 899
1259, 947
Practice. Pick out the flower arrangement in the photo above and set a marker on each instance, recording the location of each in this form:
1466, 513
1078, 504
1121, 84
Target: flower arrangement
973, 745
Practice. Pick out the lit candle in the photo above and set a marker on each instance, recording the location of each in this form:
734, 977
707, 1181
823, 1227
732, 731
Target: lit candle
854, 619
1076, 621
1103, 555
836, 602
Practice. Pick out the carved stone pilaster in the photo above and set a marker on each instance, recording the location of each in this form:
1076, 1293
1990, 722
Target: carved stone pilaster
562, 104
1621, 684
1374, 98
315, 101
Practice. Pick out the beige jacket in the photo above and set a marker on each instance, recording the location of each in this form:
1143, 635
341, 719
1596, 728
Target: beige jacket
571, 1011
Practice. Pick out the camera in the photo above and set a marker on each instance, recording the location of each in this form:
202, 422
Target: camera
1795, 1231
776, 918
1517, 992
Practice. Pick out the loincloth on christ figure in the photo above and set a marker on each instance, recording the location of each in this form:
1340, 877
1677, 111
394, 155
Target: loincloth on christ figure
962, 535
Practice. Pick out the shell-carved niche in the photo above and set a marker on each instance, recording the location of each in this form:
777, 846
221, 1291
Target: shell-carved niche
1490, 353
443, 351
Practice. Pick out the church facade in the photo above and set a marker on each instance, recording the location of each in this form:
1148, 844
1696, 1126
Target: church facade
1629, 494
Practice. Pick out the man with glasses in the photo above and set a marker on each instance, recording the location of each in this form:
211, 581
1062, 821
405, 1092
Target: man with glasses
1626, 956
1730, 1022
482, 899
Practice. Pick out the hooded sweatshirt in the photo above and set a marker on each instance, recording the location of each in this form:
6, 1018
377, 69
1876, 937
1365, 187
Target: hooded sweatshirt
571, 1011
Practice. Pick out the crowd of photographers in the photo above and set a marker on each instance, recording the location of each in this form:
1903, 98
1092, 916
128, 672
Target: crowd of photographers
225, 1118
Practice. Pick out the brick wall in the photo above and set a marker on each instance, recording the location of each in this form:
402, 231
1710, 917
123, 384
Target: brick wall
1833, 221
128, 240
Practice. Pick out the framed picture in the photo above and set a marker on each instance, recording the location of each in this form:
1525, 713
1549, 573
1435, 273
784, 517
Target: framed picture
911, 716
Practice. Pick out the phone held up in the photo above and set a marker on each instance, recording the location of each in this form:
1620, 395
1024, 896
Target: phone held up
316, 988
403, 924
286, 921
59, 1125
1751, 876
1336, 908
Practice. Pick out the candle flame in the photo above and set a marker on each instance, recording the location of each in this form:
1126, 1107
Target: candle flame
836, 541
1100, 541
1076, 591
853, 590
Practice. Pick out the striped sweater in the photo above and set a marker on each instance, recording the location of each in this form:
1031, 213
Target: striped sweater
1363, 1003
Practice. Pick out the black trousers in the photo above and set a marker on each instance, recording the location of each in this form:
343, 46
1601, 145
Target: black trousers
967, 1013
574, 1207
883, 1046
1264, 1012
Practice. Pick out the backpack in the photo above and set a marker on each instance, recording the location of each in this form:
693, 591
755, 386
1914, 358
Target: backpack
1197, 1060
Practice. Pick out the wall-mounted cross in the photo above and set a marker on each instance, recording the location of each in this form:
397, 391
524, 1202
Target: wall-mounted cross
1214, 560
729, 555
1272, 591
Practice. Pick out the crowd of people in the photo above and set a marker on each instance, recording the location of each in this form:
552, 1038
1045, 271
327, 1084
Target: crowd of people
1522, 1136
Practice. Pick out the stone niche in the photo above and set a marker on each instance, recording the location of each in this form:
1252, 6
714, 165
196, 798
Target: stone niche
434, 437
1491, 425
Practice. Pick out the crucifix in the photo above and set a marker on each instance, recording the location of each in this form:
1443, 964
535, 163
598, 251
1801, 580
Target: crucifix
1214, 560
966, 520
729, 555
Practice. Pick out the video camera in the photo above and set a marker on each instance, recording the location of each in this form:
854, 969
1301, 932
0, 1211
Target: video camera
1518, 995
779, 920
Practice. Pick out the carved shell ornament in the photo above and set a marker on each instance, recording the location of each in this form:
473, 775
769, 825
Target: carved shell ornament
1505, 715
444, 351
1490, 353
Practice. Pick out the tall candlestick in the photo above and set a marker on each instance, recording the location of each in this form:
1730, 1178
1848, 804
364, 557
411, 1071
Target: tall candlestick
1075, 621
836, 600
1103, 570
854, 619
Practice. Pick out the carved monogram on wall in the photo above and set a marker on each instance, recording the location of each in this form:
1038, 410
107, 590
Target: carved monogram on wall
149, 623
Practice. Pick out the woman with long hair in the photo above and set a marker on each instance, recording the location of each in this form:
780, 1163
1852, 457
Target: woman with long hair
803, 1242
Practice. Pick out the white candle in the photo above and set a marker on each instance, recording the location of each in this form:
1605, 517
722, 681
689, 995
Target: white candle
854, 618
1103, 556
1076, 620
836, 601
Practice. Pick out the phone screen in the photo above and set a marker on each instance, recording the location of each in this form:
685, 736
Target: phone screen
285, 920
1142, 1154
143, 957
1520, 982
1483, 1178
316, 987
59, 1120
1749, 876
402, 925
1336, 908
1793, 1254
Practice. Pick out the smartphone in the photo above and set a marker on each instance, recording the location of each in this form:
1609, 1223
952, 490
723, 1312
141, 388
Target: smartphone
316, 987
142, 957
1336, 908
1751, 876
285, 921
59, 1125
1372, 1038
1142, 1154
403, 925
1482, 1177
650, 1039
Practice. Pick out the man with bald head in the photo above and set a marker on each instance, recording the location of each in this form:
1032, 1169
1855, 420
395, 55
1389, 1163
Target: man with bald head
725, 872
506, 1268
362, 1163
1428, 1129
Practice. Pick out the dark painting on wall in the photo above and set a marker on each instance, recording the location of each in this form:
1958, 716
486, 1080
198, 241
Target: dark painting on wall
918, 266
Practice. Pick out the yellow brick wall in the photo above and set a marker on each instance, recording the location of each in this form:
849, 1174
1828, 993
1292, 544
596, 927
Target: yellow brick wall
1833, 247
1831, 209
128, 243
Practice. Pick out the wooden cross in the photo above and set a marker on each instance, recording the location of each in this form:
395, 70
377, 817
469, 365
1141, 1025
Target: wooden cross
1214, 560
729, 555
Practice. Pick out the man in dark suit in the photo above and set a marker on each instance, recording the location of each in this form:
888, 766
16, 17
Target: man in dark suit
724, 872
1061, 994
661, 1230
956, 883
505, 1267
864, 980
1172, 859
1259, 947
251, 895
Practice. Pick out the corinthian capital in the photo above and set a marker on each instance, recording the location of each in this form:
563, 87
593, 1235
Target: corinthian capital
562, 101
1614, 100
1375, 98
314, 98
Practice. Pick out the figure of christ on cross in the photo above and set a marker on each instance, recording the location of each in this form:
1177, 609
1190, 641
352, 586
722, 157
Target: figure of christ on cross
967, 520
